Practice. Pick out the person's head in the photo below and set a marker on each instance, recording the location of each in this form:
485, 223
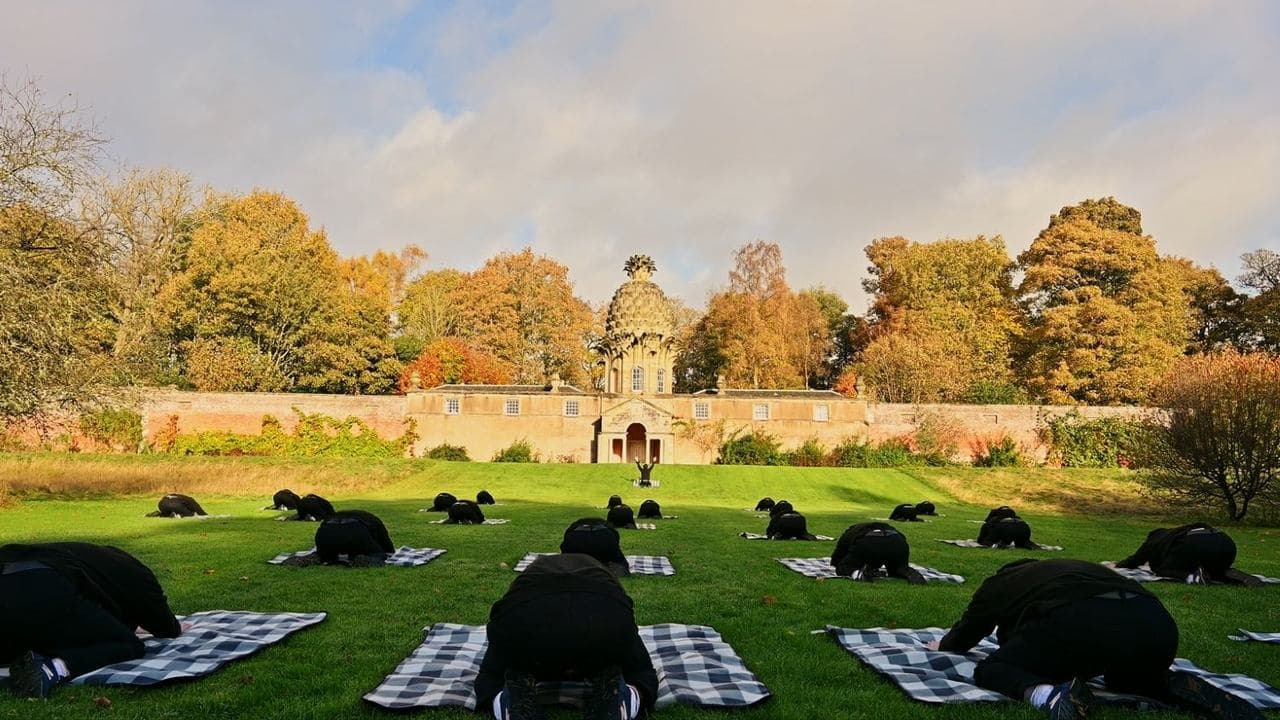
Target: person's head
781, 507
650, 509
484, 498
622, 516
443, 501
286, 498
614, 501
766, 503
594, 537
924, 507
314, 506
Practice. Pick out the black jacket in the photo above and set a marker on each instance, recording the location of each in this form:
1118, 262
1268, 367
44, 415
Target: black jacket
854, 532
372, 523
554, 575
1025, 590
314, 507
1158, 544
109, 577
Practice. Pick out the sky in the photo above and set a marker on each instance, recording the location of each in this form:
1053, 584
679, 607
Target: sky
594, 130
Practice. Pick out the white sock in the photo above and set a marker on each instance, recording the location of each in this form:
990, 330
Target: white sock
630, 709
857, 574
1038, 696
61, 668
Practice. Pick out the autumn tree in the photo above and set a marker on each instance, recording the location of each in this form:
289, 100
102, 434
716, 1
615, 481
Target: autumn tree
1259, 314
520, 307
451, 360
429, 309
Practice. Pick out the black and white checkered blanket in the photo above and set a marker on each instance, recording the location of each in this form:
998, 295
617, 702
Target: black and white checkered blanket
1143, 573
640, 564
487, 521
404, 557
939, 677
652, 483
1266, 637
216, 637
695, 667
821, 568
758, 536
974, 544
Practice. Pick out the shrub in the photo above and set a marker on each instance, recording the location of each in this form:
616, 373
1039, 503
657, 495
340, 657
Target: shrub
449, 452
519, 451
315, 435
936, 438
859, 453
116, 428
809, 454
1218, 438
755, 448
1075, 441
997, 452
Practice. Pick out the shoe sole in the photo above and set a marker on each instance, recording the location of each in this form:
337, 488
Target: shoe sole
1203, 697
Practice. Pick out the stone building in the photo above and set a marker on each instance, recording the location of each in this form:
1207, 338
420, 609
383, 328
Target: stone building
636, 415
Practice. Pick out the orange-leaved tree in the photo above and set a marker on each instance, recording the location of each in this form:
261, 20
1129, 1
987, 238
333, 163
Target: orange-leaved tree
452, 360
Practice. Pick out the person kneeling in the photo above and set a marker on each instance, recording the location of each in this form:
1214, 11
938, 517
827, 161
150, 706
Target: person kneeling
465, 512
313, 508
68, 608
356, 534
1000, 513
788, 526
765, 504
924, 507
595, 537
650, 509
442, 502
622, 517
865, 548
484, 497
1197, 552
284, 500
1062, 622
175, 505
565, 618
906, 512
1005, 532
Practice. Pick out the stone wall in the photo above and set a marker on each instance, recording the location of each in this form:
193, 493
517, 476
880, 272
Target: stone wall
243, 412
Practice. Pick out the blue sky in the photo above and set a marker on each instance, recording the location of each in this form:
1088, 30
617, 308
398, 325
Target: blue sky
593, 130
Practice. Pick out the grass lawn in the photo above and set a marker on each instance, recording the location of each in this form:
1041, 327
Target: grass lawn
376, 616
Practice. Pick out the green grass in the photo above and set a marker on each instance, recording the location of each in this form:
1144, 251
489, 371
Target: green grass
376, 616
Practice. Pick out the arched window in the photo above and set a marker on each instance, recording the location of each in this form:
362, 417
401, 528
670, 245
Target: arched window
637, 379
662, 381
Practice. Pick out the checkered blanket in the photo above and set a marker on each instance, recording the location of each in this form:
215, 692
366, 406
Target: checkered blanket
938, 677
695, 667
821, 568
640, 564
758, 536
216, 637
487, 521
652, 483
1266, 637
1143, 573
404, 557
974, 544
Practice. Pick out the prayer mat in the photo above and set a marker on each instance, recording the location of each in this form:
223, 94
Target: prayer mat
640, 564
695, 666
758, 536
652, 483
643, 526
1266, 637
933, 676
887, 520
487, 521
189, 517
821, 568
1143, 573
974, 544
216, 637
404, 557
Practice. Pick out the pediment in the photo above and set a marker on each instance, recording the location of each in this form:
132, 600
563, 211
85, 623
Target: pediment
636, 410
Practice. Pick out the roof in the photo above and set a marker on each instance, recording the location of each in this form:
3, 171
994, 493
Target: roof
507, 389
778, 394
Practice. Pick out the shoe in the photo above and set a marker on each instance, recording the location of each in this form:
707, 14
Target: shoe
1243, 578
912, 576
32, 675
604, 701
519, 698
1070, 700
1194, 693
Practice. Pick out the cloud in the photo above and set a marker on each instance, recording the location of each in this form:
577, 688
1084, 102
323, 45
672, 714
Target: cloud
595, 130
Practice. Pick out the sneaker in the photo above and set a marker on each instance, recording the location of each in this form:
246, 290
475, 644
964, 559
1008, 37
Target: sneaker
1194, 693
519, 698
32, 675
1070, 700
912, 576
867, 574
1242, 578
605, 699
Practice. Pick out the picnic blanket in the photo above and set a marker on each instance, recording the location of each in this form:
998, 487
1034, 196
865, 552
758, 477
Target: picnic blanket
758, 536
974, 544
487, 521
640, 564
1143, 573
695, 667
821, 567
216, 637
404, 557
652, 483
1266, 637
939, 677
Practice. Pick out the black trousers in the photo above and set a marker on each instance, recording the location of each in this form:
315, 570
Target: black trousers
1129, 642
564, 636
888, 551
347, 538
1213, 551
1003, 533
41, 610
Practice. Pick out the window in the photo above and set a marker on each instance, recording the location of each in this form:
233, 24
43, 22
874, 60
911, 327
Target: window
701, 411
760, 411
662, 381
452, 406
822, 413
571, 408
512, 407
637, 379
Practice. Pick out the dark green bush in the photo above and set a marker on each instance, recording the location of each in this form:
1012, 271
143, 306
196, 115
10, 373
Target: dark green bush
990, 392
448, 452
519, 451
315, 435
117, 428
755, 448
1075, 441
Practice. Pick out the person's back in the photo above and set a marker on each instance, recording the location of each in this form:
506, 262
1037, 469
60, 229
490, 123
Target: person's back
781, 507
906, 512
614, 501
622, 516
1004, 511
788, 526
1005, 532
352, 533
313, 507
765, 504
484, 497
650, 509
924, 507
866, 547
597, 538
465, 512
442, 502
284, 500
565, 617
178, 505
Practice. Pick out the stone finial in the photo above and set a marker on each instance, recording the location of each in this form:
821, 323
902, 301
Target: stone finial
640, 267
720, 383
415, 380
556, 382
859, 387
